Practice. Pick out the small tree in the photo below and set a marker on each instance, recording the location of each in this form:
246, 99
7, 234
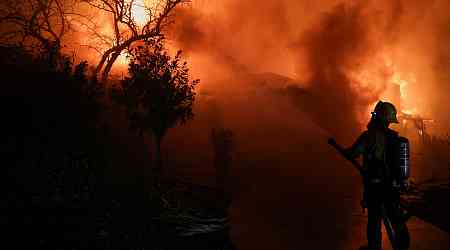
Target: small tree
157, 94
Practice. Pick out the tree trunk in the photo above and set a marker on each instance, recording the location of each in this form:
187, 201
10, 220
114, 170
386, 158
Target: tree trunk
103, 59
109, 65
158, 166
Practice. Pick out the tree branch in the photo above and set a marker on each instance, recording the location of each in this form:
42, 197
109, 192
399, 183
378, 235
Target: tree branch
125, 30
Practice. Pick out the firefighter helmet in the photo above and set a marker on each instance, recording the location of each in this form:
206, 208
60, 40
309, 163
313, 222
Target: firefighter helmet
386, 111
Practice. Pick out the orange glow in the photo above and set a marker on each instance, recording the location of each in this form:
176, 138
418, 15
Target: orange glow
375, 54
140, 11
409, 111
397, 79
407, 105
122, 63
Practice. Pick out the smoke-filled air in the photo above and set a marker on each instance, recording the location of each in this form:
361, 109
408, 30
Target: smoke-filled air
213, 124
347, 54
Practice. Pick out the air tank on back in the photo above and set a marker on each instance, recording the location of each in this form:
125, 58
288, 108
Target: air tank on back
403, 159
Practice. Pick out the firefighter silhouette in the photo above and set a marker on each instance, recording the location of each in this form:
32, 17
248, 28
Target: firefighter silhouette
384, 178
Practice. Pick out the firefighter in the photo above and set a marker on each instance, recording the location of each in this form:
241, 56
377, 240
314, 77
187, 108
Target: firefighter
382, 190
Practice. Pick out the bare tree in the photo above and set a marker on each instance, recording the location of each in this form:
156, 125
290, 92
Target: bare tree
35, 24
126, 29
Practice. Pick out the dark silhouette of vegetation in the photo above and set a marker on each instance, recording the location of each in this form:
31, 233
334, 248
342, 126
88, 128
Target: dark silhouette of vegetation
42, 25
158, 94
55, 160
36, 25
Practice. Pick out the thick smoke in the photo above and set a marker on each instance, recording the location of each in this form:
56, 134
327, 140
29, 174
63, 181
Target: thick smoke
339, 44
341, 57
273, 36
440, 47
344, 53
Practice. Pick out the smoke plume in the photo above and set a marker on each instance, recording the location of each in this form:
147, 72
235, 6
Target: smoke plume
347, 54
